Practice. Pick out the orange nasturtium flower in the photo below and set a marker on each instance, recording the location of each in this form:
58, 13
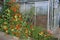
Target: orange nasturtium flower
14, 33
13, 19
20, 18
13, 8
19, 14
18, 27
31, 26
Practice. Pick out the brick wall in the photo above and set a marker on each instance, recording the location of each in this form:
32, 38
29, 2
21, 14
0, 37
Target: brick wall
41, 20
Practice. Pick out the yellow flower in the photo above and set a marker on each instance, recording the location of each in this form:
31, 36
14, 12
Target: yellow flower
5, 22
26, 31
19, 15
6, 31
5, 28
32, 29
16, 20
45, 35
41, 33
15, 16
12, 29
8, 10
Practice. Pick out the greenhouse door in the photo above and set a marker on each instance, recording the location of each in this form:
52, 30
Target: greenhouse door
53, 17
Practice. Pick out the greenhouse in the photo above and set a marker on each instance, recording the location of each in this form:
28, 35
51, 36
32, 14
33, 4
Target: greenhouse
29, 19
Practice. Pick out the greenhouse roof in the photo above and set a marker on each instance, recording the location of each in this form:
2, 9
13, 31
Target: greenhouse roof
32, 0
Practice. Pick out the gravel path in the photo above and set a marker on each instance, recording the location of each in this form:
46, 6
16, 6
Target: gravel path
57, 33
7, 37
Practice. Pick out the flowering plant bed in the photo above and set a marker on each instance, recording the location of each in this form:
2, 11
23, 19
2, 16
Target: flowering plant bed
36, 34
